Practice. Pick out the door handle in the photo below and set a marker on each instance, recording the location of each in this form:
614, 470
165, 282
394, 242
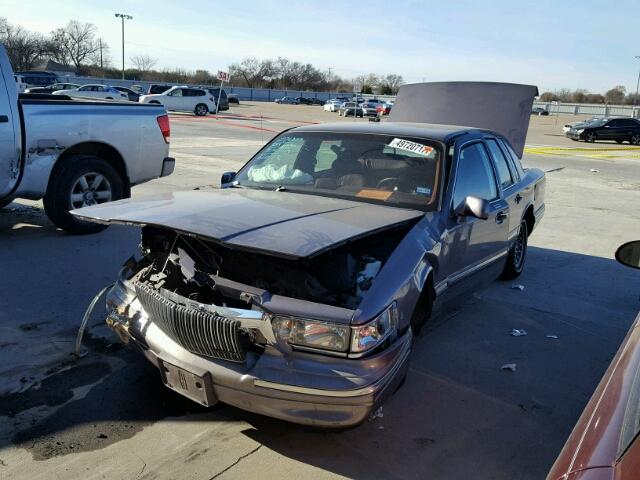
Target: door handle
4, 119
501, 216
518, 198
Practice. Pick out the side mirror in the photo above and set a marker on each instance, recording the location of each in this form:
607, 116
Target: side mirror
629, 254
473, 207
227, 178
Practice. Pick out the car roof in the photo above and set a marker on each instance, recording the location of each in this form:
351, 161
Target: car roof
432, 131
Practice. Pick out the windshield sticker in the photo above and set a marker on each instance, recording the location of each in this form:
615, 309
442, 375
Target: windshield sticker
411, 146
423, 190
374, 194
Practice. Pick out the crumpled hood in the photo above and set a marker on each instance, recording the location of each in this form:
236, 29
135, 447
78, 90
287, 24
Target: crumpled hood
279, 223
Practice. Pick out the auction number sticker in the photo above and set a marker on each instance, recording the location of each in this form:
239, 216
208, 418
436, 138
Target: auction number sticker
411, 146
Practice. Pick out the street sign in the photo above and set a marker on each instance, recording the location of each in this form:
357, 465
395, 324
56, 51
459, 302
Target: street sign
223, 76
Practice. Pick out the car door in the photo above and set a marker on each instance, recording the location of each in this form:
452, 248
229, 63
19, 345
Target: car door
85, 91
174, 100
610, 131
509, 179
474, 244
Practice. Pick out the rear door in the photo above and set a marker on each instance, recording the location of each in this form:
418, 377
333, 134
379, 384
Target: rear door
9, 126
476, 244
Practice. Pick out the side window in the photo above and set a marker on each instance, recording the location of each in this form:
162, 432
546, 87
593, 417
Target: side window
84, 89
628, 123
198, 93
327, 154
176, 93
514, 157
501, 163
474, 176
614, 123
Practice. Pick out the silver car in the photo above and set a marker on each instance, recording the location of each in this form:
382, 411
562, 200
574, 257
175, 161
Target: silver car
296, 290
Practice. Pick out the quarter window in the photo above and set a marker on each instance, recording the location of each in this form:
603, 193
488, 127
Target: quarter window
514, 158
501, 163
474, 176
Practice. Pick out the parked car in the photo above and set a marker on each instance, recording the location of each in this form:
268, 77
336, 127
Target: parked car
581, 123
605, 442
233, 98
317, 101
617, 129
296, 290
105, 92
350, 109
287, 100
384, 108
155, 89
539, 111
72, 154
224, 99
132, 95
304, 101
184, 99
369, 109
54, 87
332, 105
21, 85
38, 78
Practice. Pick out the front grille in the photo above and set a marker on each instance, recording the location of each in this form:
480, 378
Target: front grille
200, 332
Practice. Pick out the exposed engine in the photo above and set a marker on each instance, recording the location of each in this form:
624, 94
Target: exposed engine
194, 268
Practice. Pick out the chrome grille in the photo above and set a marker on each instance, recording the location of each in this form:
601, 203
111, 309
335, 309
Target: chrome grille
200, 332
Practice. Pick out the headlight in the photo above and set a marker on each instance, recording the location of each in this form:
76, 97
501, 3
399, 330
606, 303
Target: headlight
369, 336
311, 333
580, 131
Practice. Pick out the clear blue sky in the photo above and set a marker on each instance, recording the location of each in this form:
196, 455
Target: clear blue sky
553, 44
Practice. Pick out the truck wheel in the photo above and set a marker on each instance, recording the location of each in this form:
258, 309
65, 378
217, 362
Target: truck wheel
422, 312
83, 180
201, 110
517, 255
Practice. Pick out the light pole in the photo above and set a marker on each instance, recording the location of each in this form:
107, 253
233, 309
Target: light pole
635, 100
123, 17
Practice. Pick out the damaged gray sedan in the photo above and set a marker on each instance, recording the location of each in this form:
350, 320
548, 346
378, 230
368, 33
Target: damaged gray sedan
295, 291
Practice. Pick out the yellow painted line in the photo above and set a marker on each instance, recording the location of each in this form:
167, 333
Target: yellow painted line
580, 149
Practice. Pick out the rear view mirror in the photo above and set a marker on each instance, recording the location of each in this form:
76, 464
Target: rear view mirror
629, 254
227, 177
473, 207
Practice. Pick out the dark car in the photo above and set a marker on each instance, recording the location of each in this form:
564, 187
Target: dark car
615, 129
317, 101
539, 111
54, 87
38, 78
605, 442
157, 88
295, 291
224, 100
304, 101
132, 95
233, 98
350, 109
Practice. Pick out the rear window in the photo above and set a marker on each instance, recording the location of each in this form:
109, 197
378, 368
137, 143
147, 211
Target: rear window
514, 157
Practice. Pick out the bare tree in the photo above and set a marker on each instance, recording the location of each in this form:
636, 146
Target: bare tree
391, 83
615, 95
252, 71
24, 48
76, 43
144, 62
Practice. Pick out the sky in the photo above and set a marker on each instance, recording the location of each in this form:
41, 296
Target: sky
551, 44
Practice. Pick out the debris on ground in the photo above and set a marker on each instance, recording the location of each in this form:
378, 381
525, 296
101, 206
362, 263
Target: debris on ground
509, 366
552, 336
555, 170
101, 435
377, 414
517, 286
594, 170
518, 333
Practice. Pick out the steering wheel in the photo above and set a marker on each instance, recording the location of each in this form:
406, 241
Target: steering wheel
387, 183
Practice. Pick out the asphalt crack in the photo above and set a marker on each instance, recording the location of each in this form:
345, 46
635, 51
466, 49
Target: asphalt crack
241, 458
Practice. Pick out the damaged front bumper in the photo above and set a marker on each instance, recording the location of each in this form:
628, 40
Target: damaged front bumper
296, 386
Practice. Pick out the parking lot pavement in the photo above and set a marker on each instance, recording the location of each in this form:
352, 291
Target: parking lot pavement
458, 415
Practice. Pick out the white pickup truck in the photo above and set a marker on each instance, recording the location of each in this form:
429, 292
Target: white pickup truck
74, 153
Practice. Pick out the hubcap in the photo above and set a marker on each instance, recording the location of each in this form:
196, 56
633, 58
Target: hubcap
90, 189
635, 140
518, 249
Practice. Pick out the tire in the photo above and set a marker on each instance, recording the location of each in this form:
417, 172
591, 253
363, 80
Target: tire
109, 98
58, 200
4, 203
422, 312
201, 110
635, 139
590, 137
618, 141
517, 254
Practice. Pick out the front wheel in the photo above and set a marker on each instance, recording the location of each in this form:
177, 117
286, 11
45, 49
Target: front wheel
590, 137
422, 312
635, 139
517, 254
201, 110
83, 180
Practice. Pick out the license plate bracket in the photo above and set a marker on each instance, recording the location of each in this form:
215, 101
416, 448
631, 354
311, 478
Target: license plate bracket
197, 386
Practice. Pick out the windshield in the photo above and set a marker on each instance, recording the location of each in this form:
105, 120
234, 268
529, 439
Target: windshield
367, 167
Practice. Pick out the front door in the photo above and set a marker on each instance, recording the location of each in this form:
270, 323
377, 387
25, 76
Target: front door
174, 100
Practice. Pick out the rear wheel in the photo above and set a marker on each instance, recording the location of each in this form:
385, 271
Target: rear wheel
517, 255
83, 180
635, 139
201, 110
